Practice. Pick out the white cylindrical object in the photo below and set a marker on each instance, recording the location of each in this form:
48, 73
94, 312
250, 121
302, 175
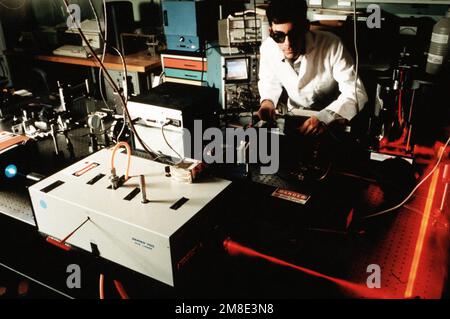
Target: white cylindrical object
143, 190
35, 177
438, 51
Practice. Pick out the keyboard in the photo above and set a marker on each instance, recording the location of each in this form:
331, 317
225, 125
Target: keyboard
75, 51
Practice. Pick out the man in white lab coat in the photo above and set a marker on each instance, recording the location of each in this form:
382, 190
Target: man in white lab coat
313, 66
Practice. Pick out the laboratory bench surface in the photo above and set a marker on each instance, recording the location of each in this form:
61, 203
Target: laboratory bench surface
329, 236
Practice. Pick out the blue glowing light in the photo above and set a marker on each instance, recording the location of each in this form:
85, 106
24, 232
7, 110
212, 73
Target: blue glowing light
11, 171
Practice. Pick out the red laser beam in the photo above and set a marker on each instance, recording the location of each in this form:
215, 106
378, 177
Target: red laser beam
421, 237
234, 249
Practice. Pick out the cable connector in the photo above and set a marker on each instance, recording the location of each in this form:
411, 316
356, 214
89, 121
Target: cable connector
116, 182
114, 179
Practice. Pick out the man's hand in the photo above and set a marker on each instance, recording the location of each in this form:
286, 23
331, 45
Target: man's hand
312, 126
267, 111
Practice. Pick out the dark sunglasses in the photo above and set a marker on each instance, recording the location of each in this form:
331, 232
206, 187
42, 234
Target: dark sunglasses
280, 37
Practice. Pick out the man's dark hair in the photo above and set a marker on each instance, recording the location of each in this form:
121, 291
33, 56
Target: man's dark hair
283, 11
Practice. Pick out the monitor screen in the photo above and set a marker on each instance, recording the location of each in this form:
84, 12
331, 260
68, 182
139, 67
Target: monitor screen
237, 69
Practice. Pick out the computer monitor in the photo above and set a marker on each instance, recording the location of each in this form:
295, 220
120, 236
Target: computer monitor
237, 69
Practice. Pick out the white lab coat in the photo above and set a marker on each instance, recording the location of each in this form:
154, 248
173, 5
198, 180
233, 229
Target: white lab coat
325, 67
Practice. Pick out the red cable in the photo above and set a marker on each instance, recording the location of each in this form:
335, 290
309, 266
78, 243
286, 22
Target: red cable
123, 294
101, 287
